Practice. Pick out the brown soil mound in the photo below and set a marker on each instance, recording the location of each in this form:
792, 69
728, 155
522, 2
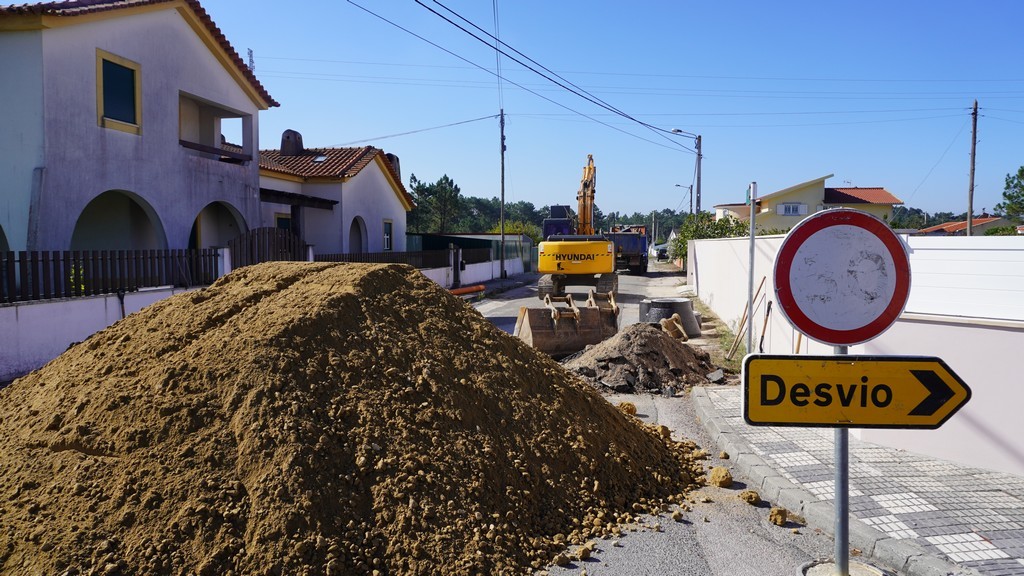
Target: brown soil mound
642, 358
320, 419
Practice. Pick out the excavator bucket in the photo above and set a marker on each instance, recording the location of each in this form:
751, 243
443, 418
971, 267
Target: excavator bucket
564, 329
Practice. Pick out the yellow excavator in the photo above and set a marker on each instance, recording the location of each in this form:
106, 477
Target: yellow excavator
572, 254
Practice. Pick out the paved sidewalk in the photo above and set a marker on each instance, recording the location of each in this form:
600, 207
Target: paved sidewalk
922, 516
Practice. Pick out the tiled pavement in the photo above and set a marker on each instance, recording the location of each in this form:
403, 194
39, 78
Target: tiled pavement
916, 514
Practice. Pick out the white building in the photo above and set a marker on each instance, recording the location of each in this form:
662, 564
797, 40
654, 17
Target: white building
340, 200
112, 113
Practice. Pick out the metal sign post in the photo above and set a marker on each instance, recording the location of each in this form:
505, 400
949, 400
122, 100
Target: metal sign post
842, 492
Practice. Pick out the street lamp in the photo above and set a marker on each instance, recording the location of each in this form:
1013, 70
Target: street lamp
690, 187
696, 137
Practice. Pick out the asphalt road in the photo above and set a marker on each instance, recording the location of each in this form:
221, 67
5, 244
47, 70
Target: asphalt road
722, 535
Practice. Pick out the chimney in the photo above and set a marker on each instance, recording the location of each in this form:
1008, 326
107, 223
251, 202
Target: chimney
291, 143
395, 164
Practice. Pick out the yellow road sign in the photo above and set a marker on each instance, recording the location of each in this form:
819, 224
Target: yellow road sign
850, 391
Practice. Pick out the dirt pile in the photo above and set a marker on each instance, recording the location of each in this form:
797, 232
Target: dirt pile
641, 358
315, 419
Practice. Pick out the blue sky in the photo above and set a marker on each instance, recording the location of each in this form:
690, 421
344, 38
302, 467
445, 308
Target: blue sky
877, 93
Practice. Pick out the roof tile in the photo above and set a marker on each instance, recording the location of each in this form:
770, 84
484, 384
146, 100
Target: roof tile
329, 163
860, 196
954, 227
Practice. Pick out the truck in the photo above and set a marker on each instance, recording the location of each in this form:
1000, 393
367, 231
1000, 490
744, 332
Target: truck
631, 251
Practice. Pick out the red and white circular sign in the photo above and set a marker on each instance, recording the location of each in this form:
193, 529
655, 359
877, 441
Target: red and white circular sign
842, 277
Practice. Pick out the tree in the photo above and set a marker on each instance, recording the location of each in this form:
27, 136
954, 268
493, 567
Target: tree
704, 225
1001, 231
1012, 205
438, 205
517, 227
909, 218
523, 211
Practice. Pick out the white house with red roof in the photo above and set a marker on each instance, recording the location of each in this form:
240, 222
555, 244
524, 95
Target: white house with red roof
112, 114
783, 209
978, 226
339, 200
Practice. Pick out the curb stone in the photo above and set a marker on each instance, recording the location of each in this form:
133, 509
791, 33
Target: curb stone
907, 557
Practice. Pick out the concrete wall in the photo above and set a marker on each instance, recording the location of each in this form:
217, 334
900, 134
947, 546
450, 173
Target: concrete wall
484, 271
83, 159
21, 135
35, 333
965, 306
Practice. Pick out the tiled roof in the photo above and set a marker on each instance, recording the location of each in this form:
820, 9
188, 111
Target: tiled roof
860, 196
78, 7
954, 227
329, 163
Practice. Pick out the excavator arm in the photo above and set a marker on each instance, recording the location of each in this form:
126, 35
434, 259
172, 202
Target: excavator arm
585, 198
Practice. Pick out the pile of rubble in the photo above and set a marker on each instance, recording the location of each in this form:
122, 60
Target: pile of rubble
642, 358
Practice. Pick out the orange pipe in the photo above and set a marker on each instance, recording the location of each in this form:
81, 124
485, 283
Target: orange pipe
467, 289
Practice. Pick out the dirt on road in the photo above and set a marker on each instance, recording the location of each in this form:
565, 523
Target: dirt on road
309, 419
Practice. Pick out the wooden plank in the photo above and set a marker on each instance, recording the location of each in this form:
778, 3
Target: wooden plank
104, 280
24, 276
47, 275
34, 275
10, 294
60, 276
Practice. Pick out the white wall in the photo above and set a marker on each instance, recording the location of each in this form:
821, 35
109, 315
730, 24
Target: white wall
965, 306
484, 271
21, 135
35, 333
369, 195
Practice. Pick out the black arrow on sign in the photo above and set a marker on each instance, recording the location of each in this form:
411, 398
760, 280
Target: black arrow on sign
938, 393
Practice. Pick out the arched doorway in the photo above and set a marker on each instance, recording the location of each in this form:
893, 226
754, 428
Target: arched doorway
215, 224
357, 236
118, 220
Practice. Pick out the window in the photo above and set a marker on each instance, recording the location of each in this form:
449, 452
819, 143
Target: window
388, 227
791, 209
283, 221
118, 93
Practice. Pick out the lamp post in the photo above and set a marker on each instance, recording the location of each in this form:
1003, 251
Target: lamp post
690, 187
700, 156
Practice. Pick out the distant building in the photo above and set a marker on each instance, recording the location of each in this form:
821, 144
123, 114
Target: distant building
783, 209
340, 200
979, 226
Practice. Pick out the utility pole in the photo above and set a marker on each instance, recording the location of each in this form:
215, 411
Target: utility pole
501, 212
699, 156
970, 186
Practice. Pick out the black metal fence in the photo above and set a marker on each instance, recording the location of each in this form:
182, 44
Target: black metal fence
28, 276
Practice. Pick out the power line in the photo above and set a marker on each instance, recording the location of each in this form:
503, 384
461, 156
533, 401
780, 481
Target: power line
680, 76
939, 161
360, 141
434, 44
574, 88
